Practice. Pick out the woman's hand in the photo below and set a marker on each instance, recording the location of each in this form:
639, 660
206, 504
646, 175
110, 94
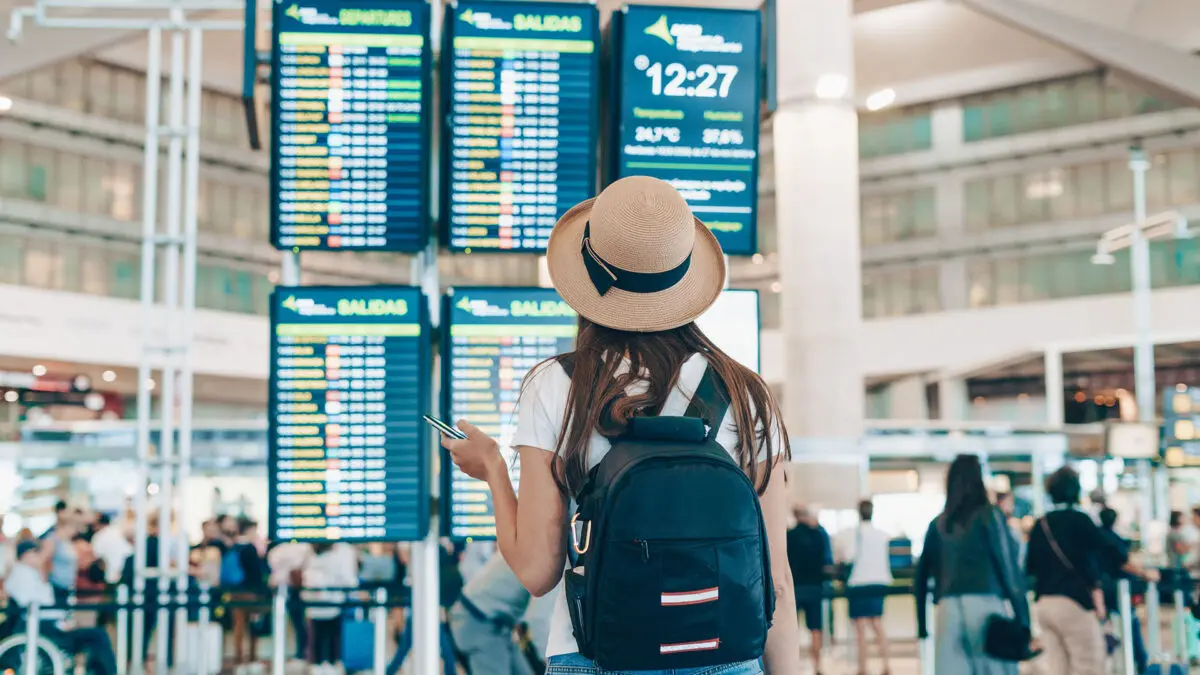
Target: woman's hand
477, 455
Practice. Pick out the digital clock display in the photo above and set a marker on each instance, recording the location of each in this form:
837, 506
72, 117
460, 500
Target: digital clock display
688, 110
350, 125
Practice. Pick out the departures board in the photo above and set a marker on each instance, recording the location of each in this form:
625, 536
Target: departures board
348, 452
686, 84
350, 125
493, 336
521, 102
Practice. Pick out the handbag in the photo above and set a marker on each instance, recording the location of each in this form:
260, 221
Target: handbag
1097, 594
1005, 637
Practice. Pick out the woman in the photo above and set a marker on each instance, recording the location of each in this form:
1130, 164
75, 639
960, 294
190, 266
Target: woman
870, 577
1067, 552
638, 268
327, 573
972, 558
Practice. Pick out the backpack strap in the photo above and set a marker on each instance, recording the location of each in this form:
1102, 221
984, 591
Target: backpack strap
567, 361
710, 402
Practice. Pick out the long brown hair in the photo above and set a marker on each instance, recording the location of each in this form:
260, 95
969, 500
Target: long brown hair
597, 398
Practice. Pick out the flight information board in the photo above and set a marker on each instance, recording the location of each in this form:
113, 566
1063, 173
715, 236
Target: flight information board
522, 109
348, 450
687, 110
494, 336
350, 125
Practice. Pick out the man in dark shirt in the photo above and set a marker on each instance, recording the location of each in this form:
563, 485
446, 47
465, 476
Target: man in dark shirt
810, 554
1111, 575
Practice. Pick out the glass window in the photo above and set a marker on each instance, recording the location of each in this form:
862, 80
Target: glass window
95, 197
927, 290
93, 271
72, 85
123, 188
1086, 92
129, 96
1183, 180
873, 221
1090, 180
262, 295
43, 85
900, 293
981, 283
243, 218
924, 212
100, 90
125, 280
1008, 281
1039, 283
1037, 189
40, 174
1027, 109
243, 292
1056, 109
68, 260
43, 267
1004, 201
203, 211
977, 202
1062, 199
12, 258
69, 192
1066, 274
871, 297
999, 116
13, 173
222, 207
1119, 186
973, 120
1117, 102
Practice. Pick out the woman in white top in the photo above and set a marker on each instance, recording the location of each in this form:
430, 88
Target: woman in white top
870, 577
638, 268
327, 575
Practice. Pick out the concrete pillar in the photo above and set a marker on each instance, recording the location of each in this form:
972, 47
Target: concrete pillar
946, 121
953, 404
816, 202
908, 399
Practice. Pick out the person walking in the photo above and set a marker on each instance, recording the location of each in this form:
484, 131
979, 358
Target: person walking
483, 619
1110, 575
866, 587
287, 562
971, 556
329, 570
1066, 553
638, 268
810, 555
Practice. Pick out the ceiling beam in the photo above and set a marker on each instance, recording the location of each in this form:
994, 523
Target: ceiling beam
1160, 69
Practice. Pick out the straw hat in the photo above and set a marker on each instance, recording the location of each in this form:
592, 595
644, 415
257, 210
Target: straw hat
635, 258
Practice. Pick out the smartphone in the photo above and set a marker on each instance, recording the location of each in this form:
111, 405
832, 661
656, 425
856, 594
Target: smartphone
446, 429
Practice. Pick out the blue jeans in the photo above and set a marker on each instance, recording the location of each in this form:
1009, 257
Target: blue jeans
574, 664
405, 646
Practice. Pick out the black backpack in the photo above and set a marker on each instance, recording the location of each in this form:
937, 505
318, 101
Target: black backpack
670, 566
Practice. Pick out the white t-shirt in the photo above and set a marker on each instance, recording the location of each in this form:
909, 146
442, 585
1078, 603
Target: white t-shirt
867, 547
540, 413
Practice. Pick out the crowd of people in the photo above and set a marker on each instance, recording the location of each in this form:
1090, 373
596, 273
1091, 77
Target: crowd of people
489, 619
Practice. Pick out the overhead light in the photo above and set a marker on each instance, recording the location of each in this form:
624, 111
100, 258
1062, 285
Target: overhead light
757, 259
1103, 258
152, 489
11, 396
881, 99
776, 287
39, 370
832, 86
108, 376
150, 383
6, 104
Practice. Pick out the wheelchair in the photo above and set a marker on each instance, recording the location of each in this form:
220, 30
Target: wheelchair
51, 659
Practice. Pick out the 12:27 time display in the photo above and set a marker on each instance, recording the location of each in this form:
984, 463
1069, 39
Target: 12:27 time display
678, 79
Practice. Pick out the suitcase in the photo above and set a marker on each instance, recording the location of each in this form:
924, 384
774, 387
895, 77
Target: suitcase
1167, 669
358, 643
211, 645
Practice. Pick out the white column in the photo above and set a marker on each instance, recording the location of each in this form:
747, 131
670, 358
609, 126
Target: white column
953, 404
947, 123
816, 199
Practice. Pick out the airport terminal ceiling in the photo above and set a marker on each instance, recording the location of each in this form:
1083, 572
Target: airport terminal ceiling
923, 49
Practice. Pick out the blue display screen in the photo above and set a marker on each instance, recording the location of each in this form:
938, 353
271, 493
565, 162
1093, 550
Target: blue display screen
522, 106
350, 125
348, 452
492, 337
688, 111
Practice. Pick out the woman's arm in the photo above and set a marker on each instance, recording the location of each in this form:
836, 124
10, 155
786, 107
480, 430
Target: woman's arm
529, 533
927, 566
782, 654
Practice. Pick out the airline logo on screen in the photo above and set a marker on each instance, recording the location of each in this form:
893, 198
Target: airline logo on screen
311, 16
347, 307
517, 308
545, 23
690, 37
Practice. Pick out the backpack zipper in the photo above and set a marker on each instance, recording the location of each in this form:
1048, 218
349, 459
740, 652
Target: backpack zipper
645, 549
